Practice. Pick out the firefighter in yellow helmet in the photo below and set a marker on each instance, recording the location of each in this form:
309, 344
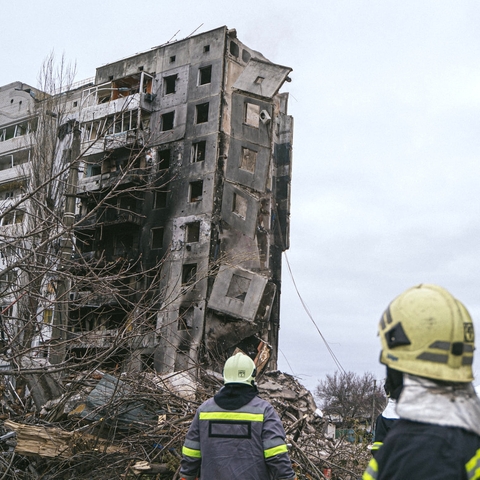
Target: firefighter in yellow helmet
427, 342
236, 434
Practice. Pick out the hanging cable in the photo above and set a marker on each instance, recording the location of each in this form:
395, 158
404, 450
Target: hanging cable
329, 349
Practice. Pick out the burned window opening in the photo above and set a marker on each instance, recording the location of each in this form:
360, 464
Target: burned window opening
168, 121
249, 160
206, 48
164, 157
173, 58
198, 151
160, 199
238, 287
170, 84
157, 237
205, 75
192, 233
202, 113
147, 361
189, 273
185, 318
196, 191
240, 205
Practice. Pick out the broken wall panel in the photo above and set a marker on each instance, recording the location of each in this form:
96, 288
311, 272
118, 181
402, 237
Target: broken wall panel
237, 292
239, 209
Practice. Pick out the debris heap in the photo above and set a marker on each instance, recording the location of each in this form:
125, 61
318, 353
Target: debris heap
111, 427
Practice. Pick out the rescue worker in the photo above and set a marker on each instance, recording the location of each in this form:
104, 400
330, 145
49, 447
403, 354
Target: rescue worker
236, 434
384, 422
427, 346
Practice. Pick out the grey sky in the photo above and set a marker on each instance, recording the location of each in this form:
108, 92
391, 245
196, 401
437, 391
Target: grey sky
385, 96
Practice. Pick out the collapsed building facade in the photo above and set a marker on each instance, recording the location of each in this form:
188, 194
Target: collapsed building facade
179, 175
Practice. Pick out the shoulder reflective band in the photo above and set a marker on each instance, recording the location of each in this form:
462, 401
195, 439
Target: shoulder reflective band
251, 417
189, 452
473, 467
371, 473
376, 446
271, 452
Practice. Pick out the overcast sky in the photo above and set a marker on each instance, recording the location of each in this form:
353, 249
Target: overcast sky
386, 98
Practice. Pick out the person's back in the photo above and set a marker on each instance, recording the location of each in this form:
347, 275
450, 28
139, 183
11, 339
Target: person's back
236, 434
427, 345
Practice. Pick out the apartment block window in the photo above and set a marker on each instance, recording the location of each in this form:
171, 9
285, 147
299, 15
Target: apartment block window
185, 318
198, 151
252, 114
47, 316
173, 58
234, 50
206, 48
238, 287
240, 205
13, 217
195, 191
189, 273
170, 84
164, 158
192, 233
167, 121
249, 160
160, 199
157, 237
202, 113
205, 75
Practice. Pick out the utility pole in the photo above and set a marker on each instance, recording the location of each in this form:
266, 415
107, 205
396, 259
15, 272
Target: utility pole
373, 404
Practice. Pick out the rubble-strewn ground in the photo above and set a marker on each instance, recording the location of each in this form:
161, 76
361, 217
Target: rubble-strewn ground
105, 427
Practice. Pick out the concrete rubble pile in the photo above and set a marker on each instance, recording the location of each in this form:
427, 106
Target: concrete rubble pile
134, 427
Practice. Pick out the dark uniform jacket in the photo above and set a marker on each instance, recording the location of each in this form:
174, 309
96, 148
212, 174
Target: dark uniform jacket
421, 451
236, 435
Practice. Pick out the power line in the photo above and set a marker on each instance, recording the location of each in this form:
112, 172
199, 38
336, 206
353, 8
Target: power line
330, 351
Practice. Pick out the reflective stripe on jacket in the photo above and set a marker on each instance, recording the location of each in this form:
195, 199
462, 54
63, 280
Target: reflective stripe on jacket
417, 451
247, 444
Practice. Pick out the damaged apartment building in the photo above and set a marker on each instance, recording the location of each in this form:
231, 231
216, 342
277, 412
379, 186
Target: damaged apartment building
181, 177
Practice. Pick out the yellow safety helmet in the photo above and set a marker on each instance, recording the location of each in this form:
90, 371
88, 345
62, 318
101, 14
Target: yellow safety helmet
425, 331
239, 369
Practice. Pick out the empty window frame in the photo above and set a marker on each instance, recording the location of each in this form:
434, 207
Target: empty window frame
198, 151
195, 192
205, 75
120, 122
240, 205
168, 121
252, 114
234, 49
248, 160
189, 273
192, 233
16, 216
164, 157
160, 199
157, 237
201, 113
170, 84
47, 316
238, 287
185, 318
13, 131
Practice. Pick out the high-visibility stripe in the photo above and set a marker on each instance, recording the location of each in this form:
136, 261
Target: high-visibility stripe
190, 452
473, 467
271, 452
376, 446
371, 473
250, 417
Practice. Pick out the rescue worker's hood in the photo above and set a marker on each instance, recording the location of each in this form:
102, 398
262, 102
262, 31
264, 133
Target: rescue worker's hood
235, 395
447, 404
